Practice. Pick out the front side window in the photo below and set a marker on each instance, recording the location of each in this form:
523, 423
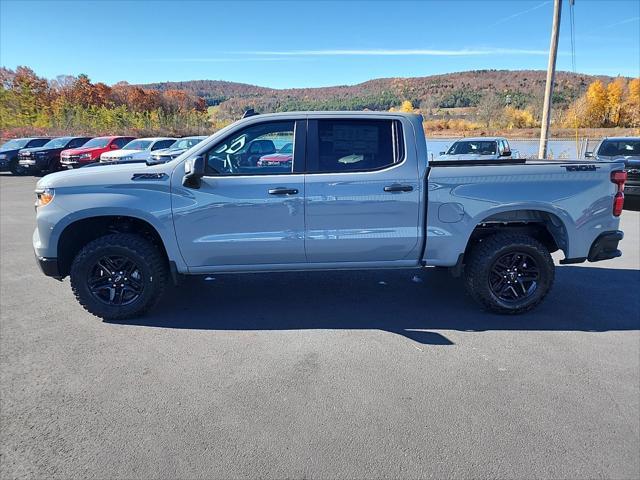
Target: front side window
256, 150
356, 145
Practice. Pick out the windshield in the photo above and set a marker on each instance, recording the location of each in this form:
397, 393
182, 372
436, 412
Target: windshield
186, 143
57, 142
620, 148
482, 147
99, 142
137, 145
14, 144
287, 148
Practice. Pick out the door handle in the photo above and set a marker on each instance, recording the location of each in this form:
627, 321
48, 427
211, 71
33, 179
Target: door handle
396, 187
283, 191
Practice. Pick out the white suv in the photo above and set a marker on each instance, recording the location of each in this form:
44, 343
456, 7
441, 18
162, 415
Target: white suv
138, 150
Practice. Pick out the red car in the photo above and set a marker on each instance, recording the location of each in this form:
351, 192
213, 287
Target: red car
284, 156
90, 151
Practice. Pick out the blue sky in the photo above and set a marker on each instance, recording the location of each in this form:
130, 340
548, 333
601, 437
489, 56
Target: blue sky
307, 44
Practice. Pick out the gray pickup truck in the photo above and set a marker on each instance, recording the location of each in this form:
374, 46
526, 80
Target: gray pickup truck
488, 149
322, 191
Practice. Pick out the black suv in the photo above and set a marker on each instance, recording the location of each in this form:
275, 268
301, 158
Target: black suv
47, 157
9, 152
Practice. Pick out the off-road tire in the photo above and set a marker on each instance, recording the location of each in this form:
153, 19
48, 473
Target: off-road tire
481, 259
15, 167
151, 263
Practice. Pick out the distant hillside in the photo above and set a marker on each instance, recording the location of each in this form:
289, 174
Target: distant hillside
464, 89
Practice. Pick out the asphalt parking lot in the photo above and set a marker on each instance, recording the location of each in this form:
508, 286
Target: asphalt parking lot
367, 374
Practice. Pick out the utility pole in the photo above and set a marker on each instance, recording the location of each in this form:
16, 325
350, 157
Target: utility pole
551, 72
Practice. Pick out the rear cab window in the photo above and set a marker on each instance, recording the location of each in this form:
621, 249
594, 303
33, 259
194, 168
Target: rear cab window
354, 145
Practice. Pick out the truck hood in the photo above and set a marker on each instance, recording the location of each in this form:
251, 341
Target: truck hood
108, 175
629, 160
123, 153
80, 151
34, 150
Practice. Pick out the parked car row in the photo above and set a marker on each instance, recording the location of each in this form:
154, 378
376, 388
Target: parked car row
43, 155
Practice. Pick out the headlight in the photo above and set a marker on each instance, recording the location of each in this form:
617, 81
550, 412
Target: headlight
85, 156
3, 156
44, 197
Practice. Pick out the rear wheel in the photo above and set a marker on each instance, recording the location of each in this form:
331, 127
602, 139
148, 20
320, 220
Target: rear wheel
509, 273
118, 276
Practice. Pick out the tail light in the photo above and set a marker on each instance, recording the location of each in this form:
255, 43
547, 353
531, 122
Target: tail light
618, 177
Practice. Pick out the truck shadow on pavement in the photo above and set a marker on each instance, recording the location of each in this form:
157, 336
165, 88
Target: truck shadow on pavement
410, 303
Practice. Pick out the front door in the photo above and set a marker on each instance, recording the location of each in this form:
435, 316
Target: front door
362, 197
249, 209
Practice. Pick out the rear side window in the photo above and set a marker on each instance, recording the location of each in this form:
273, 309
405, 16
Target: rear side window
162, 144
121, 142
354, 145
38, 142
78, 142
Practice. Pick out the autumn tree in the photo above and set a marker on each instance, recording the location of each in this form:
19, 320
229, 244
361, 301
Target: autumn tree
596, 104
615, 93
406, 106
631, 107
489, 108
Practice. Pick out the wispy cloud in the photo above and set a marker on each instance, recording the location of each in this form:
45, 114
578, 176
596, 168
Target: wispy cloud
215, 59
397, 52
622, 22
518, 14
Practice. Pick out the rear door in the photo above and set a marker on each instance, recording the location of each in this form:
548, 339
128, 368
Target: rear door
244, 215
362, 191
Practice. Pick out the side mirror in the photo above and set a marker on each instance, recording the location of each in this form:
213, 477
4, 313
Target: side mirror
442, 153
588, 154
193, 172
113, 146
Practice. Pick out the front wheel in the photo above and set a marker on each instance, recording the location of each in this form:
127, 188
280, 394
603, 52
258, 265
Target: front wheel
16, 168
118, 276
509, 273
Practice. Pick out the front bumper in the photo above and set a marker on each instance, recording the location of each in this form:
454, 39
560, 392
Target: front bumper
32, 163
49, 267
632, 190
70, 165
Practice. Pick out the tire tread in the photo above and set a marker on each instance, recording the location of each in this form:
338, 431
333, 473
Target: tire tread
136, 244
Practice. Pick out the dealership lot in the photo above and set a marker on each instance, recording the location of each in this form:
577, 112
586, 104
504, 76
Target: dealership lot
366, 374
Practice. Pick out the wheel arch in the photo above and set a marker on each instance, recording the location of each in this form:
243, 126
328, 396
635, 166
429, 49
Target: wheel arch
80, 231
545, 226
